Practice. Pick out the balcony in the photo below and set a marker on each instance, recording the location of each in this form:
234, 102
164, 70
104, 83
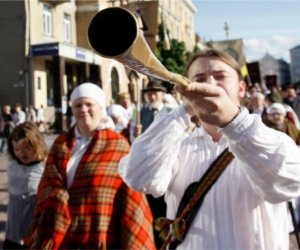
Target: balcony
55, 2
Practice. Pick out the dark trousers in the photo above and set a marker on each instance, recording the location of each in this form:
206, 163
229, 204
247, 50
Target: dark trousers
7, 244
159, 209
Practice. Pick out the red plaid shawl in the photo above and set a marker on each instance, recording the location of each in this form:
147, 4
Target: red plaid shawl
99, 211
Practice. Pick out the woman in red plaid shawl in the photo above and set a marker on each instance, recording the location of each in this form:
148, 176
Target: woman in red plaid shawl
82, 201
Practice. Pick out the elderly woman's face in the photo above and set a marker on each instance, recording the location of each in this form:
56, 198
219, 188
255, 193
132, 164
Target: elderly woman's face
87, 113
276, 118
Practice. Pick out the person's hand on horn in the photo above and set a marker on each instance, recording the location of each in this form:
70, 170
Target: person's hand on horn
210, 103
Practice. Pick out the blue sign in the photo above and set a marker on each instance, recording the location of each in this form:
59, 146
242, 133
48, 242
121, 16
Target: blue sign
49, 49
80, 54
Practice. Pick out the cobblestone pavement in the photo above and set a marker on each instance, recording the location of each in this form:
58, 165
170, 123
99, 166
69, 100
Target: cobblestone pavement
4, 198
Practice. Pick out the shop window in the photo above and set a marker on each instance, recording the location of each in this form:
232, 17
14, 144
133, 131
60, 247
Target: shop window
39, 83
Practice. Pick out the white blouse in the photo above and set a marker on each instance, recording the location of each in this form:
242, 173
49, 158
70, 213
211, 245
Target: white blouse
246, 208
23, 182
78, 151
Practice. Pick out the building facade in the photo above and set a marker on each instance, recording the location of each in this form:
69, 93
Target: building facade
295, 64
274, 72
178, 17
47, 52
284, 72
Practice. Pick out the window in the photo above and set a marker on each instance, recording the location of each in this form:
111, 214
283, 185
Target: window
47, 18
39, 82
67, 28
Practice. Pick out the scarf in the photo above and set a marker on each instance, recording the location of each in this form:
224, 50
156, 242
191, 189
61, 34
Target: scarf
98, 211
288, 128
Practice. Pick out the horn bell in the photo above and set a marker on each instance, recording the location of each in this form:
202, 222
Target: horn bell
114, 33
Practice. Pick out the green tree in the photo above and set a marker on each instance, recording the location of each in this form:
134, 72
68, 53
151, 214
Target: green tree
174, 58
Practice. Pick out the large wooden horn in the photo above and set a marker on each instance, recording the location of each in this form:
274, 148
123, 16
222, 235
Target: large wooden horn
114, 33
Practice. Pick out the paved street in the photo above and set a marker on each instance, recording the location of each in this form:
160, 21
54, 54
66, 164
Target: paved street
4, 198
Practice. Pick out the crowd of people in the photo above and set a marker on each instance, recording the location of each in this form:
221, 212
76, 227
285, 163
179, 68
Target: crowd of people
11, 117
213, 169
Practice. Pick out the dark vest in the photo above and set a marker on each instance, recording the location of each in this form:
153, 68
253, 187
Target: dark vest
147, 117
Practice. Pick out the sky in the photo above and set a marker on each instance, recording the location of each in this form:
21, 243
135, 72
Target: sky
271, 26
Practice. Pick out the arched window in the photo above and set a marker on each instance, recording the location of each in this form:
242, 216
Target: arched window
115, 87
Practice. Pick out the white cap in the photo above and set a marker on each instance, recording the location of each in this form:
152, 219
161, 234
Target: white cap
258, 95
89, 90
277, 107
94, 92
116, 110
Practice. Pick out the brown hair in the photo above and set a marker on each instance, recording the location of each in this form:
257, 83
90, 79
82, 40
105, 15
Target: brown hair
222, 56
30, 133
123, 95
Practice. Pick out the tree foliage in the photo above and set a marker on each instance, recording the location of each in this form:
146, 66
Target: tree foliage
174, 58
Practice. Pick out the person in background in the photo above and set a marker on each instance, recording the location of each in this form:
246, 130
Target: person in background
154, 94
19, 116
169, 101
258, 105
246, 206
292, 116
275, 94
31, 114
120, 119
41, 119
27, 151
69, 116
292, 99
277, 119
82, 202
290, 96
255, 88
7, 126
124, 100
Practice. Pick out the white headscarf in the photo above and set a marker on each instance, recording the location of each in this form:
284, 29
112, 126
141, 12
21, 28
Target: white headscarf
89, 90
277, 107
117, 111
296, 119
93, 91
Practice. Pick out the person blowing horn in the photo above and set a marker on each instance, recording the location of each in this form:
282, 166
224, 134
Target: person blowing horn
237, 172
